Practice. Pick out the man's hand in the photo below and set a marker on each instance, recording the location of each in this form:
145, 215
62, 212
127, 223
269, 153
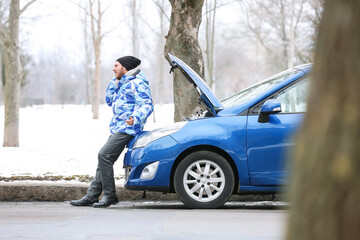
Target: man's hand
130, 121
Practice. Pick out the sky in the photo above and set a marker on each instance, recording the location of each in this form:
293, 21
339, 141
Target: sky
56, 24
48, 28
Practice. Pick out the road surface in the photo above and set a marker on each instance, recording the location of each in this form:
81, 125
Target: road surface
141, 220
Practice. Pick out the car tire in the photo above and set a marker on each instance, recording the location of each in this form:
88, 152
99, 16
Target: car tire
204, 179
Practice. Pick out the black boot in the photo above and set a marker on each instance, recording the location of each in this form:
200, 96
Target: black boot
106, 201
85, 201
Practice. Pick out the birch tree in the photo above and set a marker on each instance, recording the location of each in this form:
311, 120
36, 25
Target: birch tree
88, 55
157, 84
210, 15
134, 28
325, 192
95, 11
275, 25
3, 22
13, 70
182, 40
160, 32
96, 35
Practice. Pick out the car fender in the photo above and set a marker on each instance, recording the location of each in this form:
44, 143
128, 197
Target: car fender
225, 133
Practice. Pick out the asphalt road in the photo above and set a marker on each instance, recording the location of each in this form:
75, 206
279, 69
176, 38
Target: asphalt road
141, 220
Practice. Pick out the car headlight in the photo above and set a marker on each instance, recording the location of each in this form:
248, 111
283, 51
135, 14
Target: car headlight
151, 136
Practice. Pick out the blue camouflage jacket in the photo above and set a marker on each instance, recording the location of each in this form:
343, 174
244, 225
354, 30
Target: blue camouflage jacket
129, 97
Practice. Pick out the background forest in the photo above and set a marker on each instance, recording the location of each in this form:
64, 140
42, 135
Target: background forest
242, 41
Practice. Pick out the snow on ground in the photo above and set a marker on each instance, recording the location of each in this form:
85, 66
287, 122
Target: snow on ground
64, 140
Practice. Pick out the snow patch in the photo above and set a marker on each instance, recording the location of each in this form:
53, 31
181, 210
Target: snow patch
64, 140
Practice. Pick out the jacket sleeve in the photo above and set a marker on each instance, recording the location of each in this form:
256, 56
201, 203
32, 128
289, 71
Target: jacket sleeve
144, 102
110, 91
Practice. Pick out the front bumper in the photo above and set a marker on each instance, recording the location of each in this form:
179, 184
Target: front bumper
165, 150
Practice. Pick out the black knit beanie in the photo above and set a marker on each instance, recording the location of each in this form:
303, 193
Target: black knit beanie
129, 62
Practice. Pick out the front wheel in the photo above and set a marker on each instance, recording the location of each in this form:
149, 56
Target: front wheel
204, 180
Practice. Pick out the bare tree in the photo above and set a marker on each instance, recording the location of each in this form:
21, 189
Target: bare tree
88, 55
314, 17
275, 24
10, 37
325, 193
182, 40
2, 73
160, 33
210, 14
161, 43
95, 19
95, 12
134, 28
290, 62
3, 20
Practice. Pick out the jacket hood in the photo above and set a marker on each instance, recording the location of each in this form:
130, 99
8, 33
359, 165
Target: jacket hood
136, 73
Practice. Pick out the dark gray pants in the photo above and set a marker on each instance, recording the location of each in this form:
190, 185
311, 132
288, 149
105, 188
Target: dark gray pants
108, 154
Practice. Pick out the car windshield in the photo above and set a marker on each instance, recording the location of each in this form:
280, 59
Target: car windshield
253, 91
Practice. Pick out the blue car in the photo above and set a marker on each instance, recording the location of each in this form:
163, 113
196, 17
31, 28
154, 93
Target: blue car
240, 145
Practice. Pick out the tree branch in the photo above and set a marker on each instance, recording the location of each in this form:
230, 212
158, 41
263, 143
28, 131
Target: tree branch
107, 7
2, 35
26, 6
161, 9
146, 22
112, 29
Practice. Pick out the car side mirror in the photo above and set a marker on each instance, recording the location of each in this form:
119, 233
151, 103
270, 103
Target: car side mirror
271, 106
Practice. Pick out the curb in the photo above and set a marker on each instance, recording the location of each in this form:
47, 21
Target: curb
59, 192
66, 191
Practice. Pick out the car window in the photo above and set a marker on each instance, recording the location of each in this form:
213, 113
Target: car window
294, 98
257, 89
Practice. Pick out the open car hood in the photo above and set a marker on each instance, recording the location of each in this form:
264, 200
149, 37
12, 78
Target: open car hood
207, 97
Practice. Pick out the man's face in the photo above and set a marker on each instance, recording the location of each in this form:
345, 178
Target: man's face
119, 70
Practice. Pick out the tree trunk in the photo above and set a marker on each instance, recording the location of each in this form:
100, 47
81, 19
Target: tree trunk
284, 34
210, 41
325, 193
96, 87
2, 73
134, 28
13, 78
291, 37
160, 89
88, 59
182, 41
96, 37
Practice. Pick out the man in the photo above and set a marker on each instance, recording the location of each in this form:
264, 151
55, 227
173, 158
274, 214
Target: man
129, 96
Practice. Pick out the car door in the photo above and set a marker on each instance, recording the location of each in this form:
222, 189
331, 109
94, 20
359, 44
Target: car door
269, 143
